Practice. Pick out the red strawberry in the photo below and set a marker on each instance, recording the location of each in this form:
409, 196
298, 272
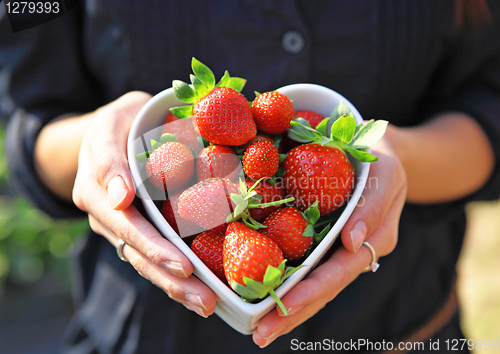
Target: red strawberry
269, 194
258, 137
320, 170
253, 263
312, 117
184, 131
217, 161
247, 253
221, 114
208, 247
208, 203
318, 173
223, 117
261, 160
183, 227
272, 112
170, 166
287, 227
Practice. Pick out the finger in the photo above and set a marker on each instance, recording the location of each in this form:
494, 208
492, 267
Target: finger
190, 292
386, 181
108, 147
325, 282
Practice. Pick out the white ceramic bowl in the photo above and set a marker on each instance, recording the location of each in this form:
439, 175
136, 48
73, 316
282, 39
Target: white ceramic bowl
240, 315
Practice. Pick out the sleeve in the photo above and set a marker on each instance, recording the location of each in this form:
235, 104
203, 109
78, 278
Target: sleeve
470, 83
43, 76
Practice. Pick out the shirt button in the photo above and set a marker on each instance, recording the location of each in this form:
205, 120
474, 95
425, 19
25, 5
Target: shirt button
293, 42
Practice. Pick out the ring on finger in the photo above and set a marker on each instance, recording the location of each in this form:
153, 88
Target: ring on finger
374, 265
119, 250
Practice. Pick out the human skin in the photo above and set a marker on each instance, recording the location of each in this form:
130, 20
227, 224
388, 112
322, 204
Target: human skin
92, 170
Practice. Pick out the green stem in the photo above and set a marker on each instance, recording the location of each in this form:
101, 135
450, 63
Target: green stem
278, 301
265, 205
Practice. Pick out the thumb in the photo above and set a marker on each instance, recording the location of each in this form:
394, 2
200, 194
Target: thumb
109, 148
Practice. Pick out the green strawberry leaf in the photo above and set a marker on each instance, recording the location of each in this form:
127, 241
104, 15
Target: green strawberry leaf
321, 235
308, 231
155, 144
199, 87
167, 138
142, 157
312, 213
343, 129
243, 187
182, 111
282, 157
272, 277
224, 81
183, 91
281, 172
237, 199
203, 73
369, 134
321, 127
237, 83
362, 156
338, 111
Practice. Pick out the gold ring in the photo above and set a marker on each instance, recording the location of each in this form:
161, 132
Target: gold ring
119, 250
374, 264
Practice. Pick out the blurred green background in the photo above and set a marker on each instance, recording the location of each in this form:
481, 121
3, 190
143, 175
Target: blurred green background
31, 244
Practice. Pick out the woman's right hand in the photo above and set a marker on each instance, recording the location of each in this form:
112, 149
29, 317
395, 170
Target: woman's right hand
104, 189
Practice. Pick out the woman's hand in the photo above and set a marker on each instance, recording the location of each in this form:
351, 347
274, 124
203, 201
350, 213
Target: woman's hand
375, 220
104, 189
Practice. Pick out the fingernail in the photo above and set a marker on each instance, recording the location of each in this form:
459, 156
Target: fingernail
291, 311
195, 299
272, 336
358, 234
175, 268
195, 304
117, 191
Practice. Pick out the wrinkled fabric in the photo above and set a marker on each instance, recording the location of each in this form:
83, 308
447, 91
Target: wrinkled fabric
403, 61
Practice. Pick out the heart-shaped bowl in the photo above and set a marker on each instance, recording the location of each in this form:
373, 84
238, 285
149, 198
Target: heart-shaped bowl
242, 316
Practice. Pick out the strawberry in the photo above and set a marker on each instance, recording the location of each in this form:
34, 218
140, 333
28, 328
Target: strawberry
217, 161
272, 112
184, 131
291, 230
318, 173
253, 263
247, 199
221, 114
170, 165
312, 117
208, 247
259, 137
208, 203
320, 170
183, 227
269, 193
261, 160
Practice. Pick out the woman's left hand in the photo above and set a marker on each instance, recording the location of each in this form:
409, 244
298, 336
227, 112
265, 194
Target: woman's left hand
375, 220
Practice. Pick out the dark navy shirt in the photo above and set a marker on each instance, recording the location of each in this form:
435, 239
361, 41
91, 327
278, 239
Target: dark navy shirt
397, 60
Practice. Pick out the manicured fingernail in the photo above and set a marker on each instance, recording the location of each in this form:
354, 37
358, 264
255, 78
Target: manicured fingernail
195, 299
291, 311
117, 191
195, 304
175, 268
272, 336
358, 234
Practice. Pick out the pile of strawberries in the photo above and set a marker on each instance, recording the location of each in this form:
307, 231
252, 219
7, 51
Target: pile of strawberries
252, 179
